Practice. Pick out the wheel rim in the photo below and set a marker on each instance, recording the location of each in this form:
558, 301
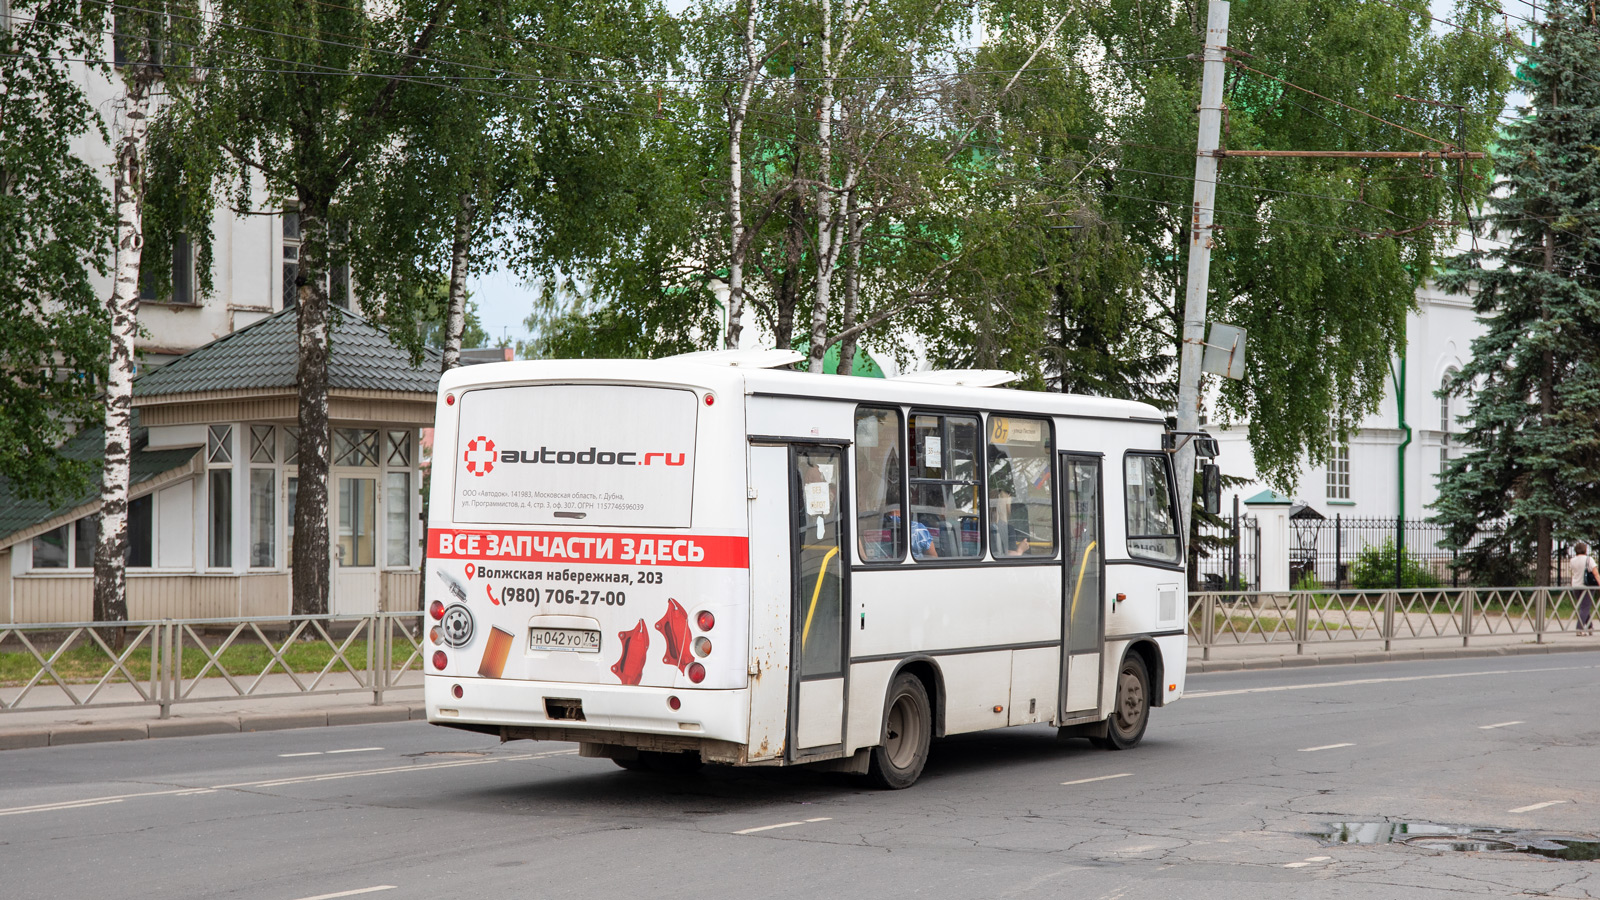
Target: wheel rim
903, 726
1130, 701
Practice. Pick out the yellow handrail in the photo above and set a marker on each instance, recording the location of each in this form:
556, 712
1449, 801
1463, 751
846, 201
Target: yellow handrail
815, 593
1082, 567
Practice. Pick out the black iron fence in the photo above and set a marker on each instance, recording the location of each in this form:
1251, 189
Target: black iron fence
1228, 556
1367, 552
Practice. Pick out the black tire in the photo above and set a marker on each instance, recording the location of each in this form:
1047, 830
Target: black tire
686, 763
1130, 712
907, 731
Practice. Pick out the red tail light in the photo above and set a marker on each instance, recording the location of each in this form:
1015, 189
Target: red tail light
436, 609
705, 619
457, 691
674, 702
697, 673
440, 660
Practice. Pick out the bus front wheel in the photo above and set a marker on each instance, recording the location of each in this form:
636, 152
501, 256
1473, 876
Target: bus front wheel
907, 731
1131, 712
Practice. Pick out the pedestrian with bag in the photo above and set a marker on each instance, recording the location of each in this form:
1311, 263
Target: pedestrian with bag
1585, 574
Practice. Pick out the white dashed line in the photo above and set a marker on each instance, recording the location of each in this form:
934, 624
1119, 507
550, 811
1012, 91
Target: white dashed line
328, 752
1299, 865
1532, 807
1324, 747
308, 753
1360, 681
1101, 778
1500, 725
782, 825
355, 750
1318, 858
367, 890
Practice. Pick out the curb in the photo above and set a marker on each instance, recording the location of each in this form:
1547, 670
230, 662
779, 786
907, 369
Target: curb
64, 735
1199, 667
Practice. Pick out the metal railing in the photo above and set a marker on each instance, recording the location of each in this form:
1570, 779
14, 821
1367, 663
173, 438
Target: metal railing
171, 661
1302, 618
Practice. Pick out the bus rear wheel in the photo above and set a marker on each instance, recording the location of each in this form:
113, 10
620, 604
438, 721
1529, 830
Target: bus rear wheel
907, 731
1131, 712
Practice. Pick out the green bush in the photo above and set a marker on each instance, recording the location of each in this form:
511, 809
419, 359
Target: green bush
1375, 568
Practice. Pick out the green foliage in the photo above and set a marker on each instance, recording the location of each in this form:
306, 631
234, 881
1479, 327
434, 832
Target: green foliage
1319, 259
1374, 567
1533, 380
55, 236
1308, 581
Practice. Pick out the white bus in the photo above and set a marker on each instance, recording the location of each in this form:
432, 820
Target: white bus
708, 559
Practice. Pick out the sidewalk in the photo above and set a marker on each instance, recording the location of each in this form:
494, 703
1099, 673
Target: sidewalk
88, 724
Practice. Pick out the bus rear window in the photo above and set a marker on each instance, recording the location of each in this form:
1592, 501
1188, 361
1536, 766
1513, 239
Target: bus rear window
576, 454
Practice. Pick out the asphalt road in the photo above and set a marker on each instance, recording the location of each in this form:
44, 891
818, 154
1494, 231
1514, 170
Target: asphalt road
1217, 803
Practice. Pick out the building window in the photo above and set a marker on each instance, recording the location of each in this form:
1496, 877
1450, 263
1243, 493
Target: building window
291, 445
291, 488
220, 483
397, 512
50, 549
357, 510
263, 517
355, 447
1339, 473
262, 443
399, 449
336, 281
141, 531
219, 442
85, 535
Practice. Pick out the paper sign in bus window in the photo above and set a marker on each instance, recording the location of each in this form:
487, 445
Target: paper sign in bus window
817, 499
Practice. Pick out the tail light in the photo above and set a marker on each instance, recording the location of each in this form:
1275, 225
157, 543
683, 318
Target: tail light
702, 646
436, 609
674, 703
435, 636
440, 660
697, 673
457, 691
705, 619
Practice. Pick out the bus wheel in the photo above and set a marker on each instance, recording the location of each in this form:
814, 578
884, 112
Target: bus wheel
1131, 713
908, 730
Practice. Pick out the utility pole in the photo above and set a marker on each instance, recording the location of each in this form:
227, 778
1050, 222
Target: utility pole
1201, 223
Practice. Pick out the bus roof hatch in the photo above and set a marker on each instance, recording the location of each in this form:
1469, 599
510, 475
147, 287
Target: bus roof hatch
752, 358
961, 377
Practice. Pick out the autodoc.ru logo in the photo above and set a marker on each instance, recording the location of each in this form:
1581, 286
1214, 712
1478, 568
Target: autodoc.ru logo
480, 457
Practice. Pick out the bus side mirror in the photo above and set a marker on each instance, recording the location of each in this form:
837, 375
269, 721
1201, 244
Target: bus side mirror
1211, 488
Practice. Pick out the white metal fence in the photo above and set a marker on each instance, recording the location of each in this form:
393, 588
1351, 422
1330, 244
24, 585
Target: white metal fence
173, 661
1306, 618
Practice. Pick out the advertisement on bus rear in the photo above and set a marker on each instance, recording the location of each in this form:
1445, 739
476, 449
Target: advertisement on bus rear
612, 607
574, 454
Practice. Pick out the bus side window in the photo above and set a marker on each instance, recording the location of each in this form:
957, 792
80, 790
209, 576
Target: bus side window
944, 487
880, 485
1152, 533
1022, 514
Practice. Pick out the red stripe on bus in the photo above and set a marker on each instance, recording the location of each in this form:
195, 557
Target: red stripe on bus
698, 550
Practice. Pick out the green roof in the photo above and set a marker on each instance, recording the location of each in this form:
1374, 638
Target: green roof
266, 355
1268, 498
862, 365
18, 514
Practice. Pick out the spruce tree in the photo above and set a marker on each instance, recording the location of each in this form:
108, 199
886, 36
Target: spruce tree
1533, 383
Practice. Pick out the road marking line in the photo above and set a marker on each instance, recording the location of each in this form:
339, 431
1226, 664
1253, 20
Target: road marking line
309, 753
88, 801
1500, 725
781, 825
1318, 858
59, 806
359, 773
197, 791
1523, 809
370, 890
1324, 747
1101, 778
355, 750
1358, 681
1295, 865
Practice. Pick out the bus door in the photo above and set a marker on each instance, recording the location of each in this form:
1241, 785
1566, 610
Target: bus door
819, 561
1084, 587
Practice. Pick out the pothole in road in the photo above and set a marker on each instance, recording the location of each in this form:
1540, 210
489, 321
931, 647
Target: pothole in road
1461, 839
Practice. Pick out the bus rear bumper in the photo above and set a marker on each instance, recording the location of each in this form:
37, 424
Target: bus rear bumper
589, 712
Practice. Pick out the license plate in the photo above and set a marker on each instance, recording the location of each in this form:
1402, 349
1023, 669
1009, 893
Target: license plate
581, 639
